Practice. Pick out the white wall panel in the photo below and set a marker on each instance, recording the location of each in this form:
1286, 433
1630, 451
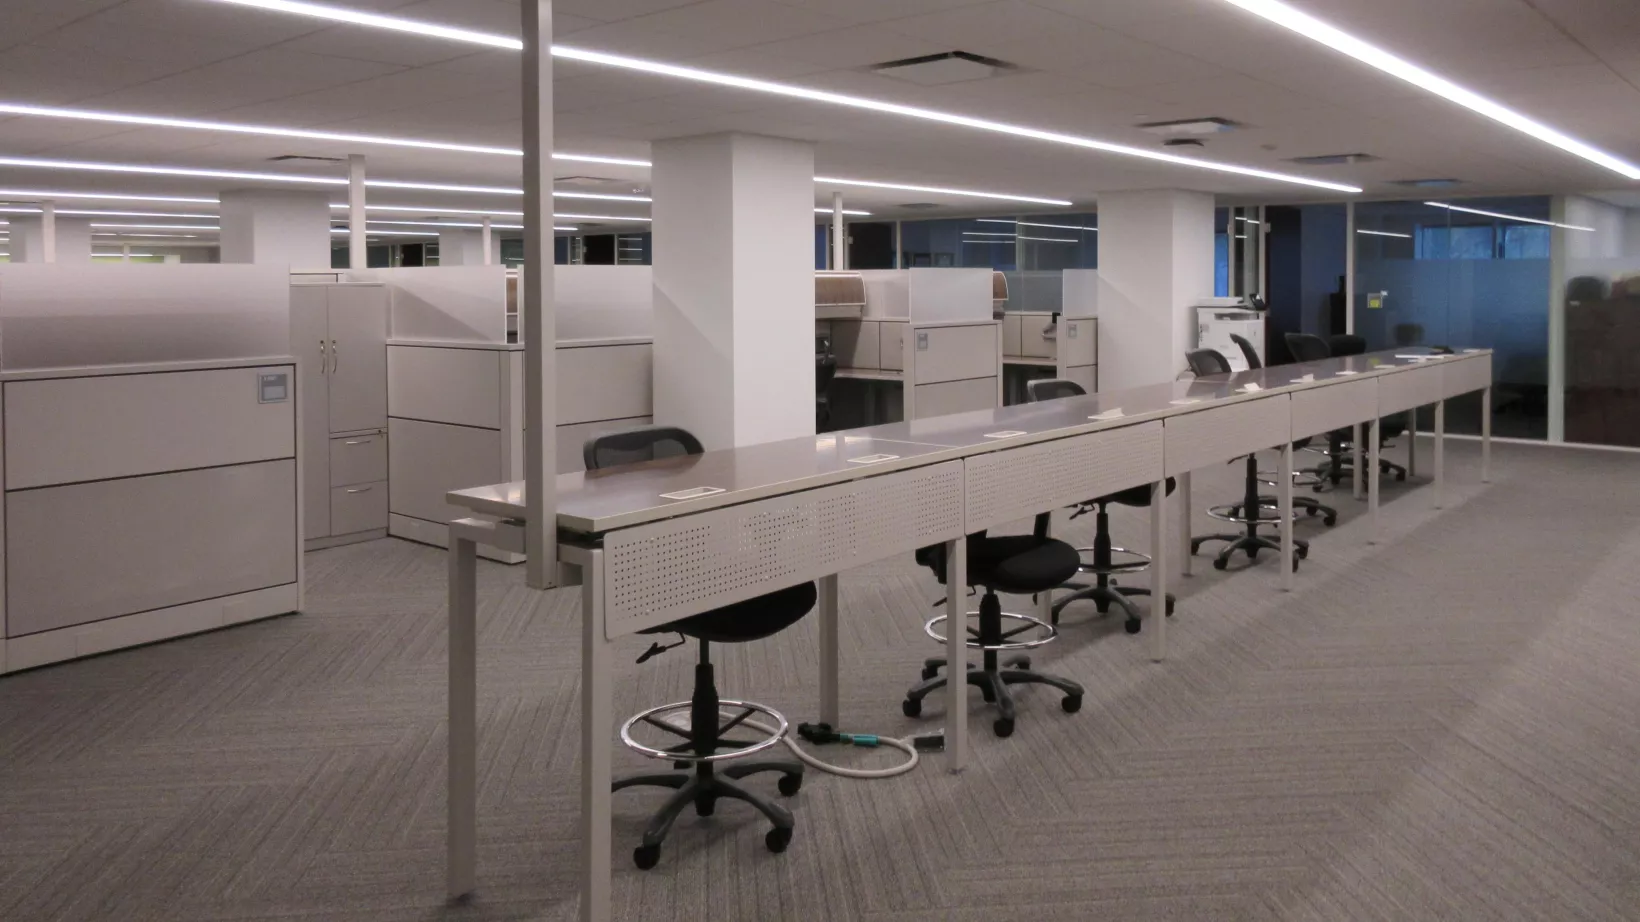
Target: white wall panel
447, 385
428, 460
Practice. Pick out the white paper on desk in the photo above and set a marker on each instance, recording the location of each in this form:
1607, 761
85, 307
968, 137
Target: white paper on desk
1305, 380
1108, 414
871, 459
1251, 388
1005, 434
1340, 374
1185, 401
692, 493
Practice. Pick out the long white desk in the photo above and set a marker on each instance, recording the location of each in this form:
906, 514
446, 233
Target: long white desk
655, 542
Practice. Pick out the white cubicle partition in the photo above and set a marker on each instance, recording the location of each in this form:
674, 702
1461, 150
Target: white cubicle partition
603, 302
456, 304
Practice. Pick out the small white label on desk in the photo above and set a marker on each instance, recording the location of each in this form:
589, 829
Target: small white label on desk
1005, 434
1470, 351
1108, 414
1306, 379
1250, 388
1185, 401
1340, 374
871, 459
692, 493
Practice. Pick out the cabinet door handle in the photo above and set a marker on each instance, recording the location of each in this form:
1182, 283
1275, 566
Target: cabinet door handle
335, 357
360, 489
323, 362
358, 441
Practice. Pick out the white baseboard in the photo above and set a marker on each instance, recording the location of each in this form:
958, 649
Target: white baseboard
438, 535
319, 544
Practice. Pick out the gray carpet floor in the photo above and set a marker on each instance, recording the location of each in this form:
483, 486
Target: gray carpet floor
1445, 725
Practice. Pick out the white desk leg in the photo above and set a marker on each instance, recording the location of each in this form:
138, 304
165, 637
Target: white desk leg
1355, 459
596, 728
1486, 435
1440, 450
1157, 626
1287, 548
461, 836
828, 650
956, 651
1372, 480
1185, 557
1412, 442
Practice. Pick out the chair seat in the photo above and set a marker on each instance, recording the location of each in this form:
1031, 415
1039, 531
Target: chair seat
1135, 496
1021, 563
753, 619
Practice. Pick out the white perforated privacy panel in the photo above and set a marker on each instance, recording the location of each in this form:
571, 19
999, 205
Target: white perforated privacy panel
1403, 390
1009, 485
667, 570
1322, 409
1463, 376
1215, 435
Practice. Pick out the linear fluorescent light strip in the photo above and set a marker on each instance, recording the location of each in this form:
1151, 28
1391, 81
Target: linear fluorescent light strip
1052, 239
179, 227
937, 190
1314, 29
1373, 233
359, 17
103, 196
165, 236
1074, 227
1507, 217
845, 211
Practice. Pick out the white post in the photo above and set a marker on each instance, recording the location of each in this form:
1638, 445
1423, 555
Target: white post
1440, 451
1231, 276
486, 240
1157, 628
1289, 550
839, 237
898, 258
829, 699
461, 792
125, 252
1349, 267
1263, 260
358, 248
956, 651
48, 231
540, 318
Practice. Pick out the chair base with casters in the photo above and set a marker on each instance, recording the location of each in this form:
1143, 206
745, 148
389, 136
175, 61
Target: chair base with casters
704, 746
1250, 541
1104, 592
991, 678
1339, 464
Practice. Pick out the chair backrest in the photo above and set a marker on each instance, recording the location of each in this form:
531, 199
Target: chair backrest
1204, 362
640, 443
825, 368
1247, 351
1343, 344
1052, 389
1308, 347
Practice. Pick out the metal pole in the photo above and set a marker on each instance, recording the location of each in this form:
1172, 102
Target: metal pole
540, 320
358, 248
48, 232
484, 238
1349, 267
839, 238
125, 252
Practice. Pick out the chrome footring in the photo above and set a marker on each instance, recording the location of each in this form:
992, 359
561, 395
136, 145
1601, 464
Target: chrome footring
1300, 478
1138, 563
1049, 632
1268, 515
683, 708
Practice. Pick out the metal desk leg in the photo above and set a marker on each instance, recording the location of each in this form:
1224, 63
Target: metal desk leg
1412, 442
1287, 548
1185, 557
1157, 628
828, 650
1372, 481
1355, 459
461, 836
1440, 450
596, 728
956, 651
1486, 435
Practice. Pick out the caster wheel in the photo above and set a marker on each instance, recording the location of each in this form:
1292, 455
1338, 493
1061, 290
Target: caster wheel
1070, 704
1401, 476
986, 693
929, 672
1330, 520
705, 806
1020, 662
911, 706
1004, 727
646, 856
778, 839
790, 785
681, 766
1252, 553
1311, 511
1219, 563
1132, 625
1304, 552
1170, 604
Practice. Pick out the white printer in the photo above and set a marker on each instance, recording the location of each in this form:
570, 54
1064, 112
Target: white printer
1218, 318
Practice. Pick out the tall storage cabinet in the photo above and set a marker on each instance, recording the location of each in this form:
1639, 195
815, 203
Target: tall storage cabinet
339, 332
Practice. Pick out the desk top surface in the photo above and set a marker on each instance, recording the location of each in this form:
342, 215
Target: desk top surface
594, 502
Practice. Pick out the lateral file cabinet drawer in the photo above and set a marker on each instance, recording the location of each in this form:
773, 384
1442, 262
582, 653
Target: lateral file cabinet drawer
358, 459
358, 508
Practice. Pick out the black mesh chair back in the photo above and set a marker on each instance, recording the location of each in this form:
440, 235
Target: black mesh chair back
1308, 347
1247, 351
1052, 389
825, 369
641, 443
1204, 362
1343, 344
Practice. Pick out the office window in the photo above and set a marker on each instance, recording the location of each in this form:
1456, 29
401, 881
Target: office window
1525, 241
1457, 242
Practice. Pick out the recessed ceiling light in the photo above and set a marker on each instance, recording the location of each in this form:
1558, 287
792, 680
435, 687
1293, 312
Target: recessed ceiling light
178, 227
970, 193
387, 233
47, 195
1507, 217
1308, 26
1052, 239
431, 209
165, 236
845, 211
1074, 227
985, 234
600, 217
1373, 233
445, 224
95, 213
359, 17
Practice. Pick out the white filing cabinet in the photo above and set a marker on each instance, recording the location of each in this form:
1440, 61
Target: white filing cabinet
339, 331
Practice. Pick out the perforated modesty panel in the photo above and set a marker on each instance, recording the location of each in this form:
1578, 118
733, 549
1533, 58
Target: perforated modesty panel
1008, 485
1334, 406
1403, 390
667, 570
1463, 376
1197, 440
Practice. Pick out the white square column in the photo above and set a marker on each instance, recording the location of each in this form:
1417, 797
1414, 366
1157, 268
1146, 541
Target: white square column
1155, 262
734, 287
460, 247
276, 226
28, 244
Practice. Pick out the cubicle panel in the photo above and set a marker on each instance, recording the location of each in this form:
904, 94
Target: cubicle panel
1466, 375
64, 430
949, 397
90, 551
600, 302
450, 303
445, 384
1085, 375
1033, 341
1012, 484
891, 344
1078, 342
1339, 404
937, 295
1198, 440
955, 353
856, 343
571, 438
1011, 333
428, 460
604, 382
1402, 390
888, 292
657, 572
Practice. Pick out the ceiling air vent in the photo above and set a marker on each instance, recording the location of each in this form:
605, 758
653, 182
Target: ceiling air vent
947, 67
1190, 127
918, 206
282, 157
1334, 159
589, 181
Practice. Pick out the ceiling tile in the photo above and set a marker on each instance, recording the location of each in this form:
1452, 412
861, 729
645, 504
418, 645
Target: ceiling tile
741, 22
856, 46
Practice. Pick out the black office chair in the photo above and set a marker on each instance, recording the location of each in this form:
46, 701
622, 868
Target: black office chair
825, 369
1104, 592
1015, 564
1308, 347
705, 744
1301, 478
1253, 511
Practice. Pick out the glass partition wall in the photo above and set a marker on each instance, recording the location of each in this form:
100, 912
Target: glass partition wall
1595, 300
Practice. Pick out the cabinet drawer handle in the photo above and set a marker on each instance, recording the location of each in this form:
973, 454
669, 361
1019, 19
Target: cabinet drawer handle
358, 441
360, 490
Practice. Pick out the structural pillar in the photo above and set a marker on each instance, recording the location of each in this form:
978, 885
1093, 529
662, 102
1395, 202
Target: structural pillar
47, 238
1155, 263
487, 241
358, 244
734, 287
276, 226
460, 246
540, 323
839, 235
